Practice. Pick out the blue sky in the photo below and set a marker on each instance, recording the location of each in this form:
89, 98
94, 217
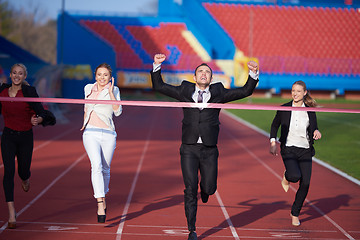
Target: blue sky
51, 8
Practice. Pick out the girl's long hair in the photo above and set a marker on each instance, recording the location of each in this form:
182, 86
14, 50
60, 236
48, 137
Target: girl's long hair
308, 100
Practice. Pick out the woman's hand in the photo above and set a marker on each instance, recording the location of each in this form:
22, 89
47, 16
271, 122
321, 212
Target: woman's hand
273, 148
36, 120
111, 89
317, 135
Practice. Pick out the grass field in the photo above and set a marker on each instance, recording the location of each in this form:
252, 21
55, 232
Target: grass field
340, 143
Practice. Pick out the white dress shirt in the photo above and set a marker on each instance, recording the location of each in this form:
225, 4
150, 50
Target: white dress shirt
297, 135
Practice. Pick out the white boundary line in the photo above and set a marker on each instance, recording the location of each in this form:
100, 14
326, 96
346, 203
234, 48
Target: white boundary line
318, 161
46, 189
64, 223
227, 217
279, 177
131, 193
239, 228
182, 227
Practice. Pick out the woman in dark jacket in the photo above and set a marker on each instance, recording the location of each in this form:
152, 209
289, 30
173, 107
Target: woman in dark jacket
17, 137
298, 132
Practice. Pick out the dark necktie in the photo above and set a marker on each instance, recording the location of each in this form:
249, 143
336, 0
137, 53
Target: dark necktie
200, 96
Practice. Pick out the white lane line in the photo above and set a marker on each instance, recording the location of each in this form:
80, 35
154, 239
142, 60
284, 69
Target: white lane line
227, 217
185, 228
175, 236
64, 223
131, 193
240, 229
62, 231
49, 141
279, 177
318, 161
330, 220
55, 138
47, 188
170, 231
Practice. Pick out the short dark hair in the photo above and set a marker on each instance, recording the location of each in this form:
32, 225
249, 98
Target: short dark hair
104, 65
203, 64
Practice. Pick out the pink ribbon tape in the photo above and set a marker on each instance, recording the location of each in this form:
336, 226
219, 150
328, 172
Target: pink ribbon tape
176, 104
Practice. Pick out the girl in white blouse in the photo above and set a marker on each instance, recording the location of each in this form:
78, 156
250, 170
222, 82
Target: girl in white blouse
298, 132
99, 137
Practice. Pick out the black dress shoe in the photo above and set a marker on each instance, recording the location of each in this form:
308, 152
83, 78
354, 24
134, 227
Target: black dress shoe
204, 197
192, 236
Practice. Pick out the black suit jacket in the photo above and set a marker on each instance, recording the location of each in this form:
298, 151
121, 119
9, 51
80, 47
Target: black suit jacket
29, 91
196, 122
283, 118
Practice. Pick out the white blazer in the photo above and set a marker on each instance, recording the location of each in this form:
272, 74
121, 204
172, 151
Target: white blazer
104, 111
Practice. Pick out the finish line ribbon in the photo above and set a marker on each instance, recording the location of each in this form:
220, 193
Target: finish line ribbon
177, 104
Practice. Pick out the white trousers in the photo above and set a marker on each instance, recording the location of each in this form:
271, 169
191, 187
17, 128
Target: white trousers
99, 145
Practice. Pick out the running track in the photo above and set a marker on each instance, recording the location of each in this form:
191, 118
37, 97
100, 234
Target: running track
146, 190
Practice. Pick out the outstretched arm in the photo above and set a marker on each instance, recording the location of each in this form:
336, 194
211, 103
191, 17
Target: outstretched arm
157, 81
245, 91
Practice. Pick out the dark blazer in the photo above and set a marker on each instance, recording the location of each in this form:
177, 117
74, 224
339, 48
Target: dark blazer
196, 122
283, 118
29, 91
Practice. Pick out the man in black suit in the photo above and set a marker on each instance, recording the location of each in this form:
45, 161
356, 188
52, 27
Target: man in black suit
200, 129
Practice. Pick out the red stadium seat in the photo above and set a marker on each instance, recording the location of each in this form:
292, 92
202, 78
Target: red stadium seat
303, 32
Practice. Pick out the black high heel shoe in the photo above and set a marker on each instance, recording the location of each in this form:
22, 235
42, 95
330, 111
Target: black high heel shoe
101, 218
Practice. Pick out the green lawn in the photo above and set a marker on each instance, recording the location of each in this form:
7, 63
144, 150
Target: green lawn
340, 143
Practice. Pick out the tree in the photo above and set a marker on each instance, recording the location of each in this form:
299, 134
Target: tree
5, 18
26, 31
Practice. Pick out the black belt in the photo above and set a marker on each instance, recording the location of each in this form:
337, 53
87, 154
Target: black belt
13, 132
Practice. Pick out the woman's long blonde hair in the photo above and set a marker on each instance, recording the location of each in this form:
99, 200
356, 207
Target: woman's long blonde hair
308, 100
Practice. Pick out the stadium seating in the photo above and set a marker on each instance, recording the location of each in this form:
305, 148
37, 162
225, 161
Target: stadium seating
136, 45
126, 56
298, 40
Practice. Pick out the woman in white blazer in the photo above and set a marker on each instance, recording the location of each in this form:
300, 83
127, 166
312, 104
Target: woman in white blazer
99, 137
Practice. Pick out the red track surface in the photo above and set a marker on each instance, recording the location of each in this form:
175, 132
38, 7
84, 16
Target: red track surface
146, 189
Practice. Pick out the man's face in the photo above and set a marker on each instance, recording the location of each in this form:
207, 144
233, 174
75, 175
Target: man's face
203, 76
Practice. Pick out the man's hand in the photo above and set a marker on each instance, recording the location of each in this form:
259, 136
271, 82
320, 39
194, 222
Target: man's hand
253, 66
159, 58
